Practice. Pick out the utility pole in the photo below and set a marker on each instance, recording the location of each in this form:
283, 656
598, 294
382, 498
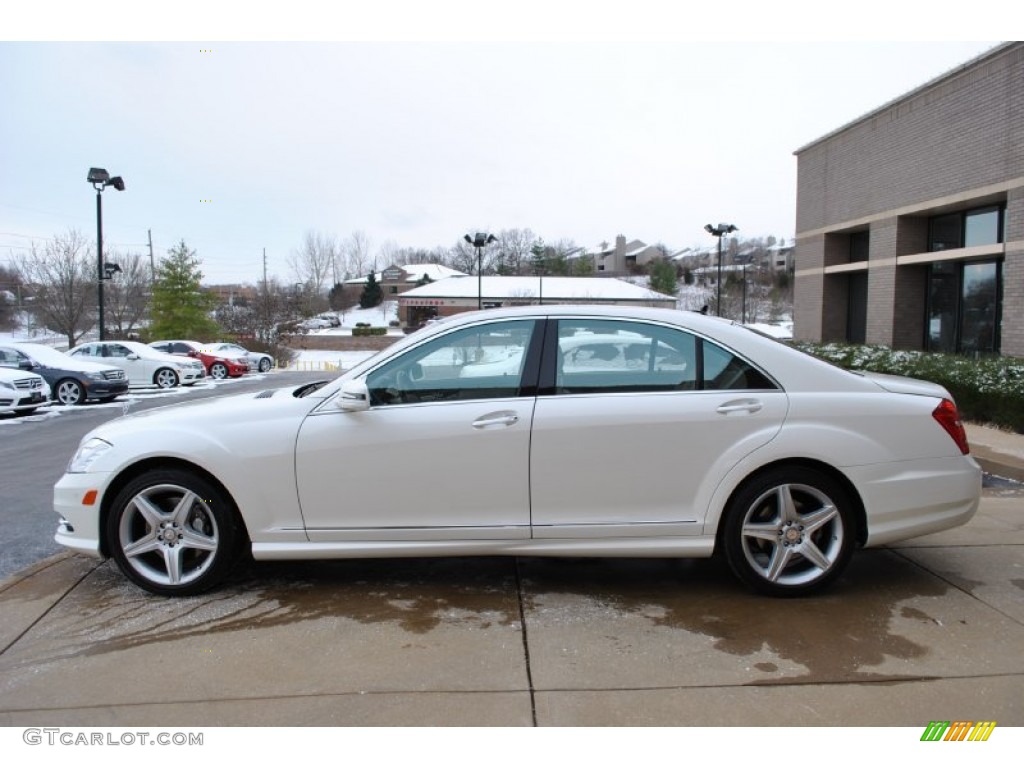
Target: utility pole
152, 262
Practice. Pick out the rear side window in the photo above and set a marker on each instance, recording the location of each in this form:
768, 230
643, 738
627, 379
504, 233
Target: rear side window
608, 356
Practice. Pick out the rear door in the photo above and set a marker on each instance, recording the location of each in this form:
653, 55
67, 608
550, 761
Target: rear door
635, 425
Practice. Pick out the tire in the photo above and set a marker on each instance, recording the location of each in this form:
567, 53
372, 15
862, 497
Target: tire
69, 392
218, 371
165, 378
172, 532
789, 532
264, 365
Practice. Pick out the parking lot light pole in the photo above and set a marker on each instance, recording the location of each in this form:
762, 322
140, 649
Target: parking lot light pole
719, 232
100, 180
478, 241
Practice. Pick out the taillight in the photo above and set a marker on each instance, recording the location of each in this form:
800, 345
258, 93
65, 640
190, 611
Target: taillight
947, 415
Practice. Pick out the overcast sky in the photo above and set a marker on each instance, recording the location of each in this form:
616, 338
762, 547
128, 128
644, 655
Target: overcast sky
240, 146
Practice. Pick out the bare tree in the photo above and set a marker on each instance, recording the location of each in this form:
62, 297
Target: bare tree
388, 253
462, 256
314, 261
127, 294
10, 297
512, 252
62, 277
356, 251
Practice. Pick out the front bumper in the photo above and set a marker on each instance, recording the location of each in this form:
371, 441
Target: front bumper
79, 528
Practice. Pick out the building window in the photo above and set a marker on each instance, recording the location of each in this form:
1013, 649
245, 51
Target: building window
978, 226
857, 307
964, 307
859, 245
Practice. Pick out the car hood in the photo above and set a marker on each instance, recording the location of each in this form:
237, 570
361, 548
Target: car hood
10, 375
81, 366
212, 414
905, 385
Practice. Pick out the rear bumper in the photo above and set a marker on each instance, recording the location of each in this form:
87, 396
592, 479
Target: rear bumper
913, 498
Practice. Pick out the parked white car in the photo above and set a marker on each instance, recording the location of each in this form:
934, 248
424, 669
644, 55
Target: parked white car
143, 365
22, 392
601, 431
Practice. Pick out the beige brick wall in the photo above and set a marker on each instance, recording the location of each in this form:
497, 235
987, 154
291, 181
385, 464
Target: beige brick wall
963, 133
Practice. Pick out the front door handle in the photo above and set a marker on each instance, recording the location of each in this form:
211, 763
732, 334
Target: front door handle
499, 419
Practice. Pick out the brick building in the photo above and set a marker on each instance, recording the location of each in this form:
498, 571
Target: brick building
910, 219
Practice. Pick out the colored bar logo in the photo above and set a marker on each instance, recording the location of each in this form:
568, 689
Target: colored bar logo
958, 730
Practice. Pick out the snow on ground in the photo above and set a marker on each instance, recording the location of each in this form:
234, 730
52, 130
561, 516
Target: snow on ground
375, 316
324, 360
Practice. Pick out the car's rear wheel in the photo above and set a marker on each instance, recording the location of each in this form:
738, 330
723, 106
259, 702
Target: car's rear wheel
69, 392
165, 378
218, 371
264, 365
172, 532
789, 531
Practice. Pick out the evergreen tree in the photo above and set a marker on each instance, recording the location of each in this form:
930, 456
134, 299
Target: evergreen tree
372, 294
663, 277
180, 307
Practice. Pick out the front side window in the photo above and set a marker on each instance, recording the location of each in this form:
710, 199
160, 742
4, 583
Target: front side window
481, 362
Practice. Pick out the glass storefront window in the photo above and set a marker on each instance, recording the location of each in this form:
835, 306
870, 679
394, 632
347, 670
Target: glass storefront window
979, 308
964, 307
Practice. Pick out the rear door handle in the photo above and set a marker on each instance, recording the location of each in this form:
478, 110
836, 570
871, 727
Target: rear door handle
733, 406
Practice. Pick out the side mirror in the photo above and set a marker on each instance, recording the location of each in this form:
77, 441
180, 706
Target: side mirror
416, 372
354, 396
26, 365
132, 356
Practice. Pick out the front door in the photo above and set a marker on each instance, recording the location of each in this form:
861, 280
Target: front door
442, 453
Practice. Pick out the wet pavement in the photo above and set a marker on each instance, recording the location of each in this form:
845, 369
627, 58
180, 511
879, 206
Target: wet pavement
932, 628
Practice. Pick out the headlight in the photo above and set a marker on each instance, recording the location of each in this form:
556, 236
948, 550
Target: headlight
87, 454
6, 385
95, 376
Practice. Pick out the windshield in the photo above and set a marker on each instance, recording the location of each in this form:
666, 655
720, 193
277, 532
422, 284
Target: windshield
43, 354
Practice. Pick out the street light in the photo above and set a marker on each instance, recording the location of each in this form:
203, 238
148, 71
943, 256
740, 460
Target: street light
100, 180
478, 241
719, 232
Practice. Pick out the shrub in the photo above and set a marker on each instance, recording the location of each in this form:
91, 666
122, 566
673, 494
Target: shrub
363, 330
988, 390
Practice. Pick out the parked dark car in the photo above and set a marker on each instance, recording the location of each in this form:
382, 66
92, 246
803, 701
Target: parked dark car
71, 381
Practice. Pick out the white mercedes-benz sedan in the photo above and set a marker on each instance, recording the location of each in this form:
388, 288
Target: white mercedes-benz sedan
577, 431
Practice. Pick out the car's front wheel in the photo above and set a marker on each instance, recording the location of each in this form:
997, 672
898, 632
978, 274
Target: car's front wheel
264, 365
218, 371
165, 378
789, 531
172, 532
69, 392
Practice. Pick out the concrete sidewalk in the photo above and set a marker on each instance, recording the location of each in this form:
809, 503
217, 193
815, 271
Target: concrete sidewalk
930, 628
